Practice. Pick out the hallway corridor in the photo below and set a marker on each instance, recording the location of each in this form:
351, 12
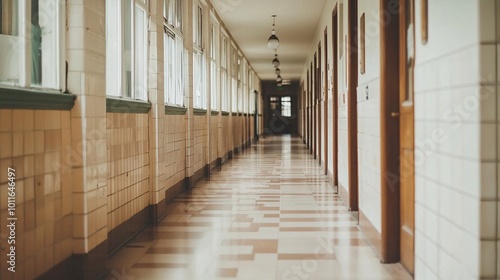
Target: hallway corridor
268, 214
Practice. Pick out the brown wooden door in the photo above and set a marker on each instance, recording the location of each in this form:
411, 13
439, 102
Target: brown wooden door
325, 107
335, 97
406, 110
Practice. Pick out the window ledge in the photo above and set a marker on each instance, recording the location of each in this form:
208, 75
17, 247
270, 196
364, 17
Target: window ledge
199, 112
120, 105
214, 113
35, 99
235, 114
224, 113
174, 110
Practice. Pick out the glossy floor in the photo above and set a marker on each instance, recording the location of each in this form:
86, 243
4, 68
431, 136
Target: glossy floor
268, 214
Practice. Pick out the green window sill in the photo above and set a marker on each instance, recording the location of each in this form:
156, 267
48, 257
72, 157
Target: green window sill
35, 99
199, 112
174, 110
224, 113
120, 105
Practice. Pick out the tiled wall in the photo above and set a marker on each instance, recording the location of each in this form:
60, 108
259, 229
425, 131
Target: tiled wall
214, 137
237, 123
128, 166
200, 134
368, 96
450, 219
226, 136
175, 147
36, 144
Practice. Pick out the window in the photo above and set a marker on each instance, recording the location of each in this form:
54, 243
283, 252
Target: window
44, 44
286, 106
214, 54
173, 53
126, 49
198, 59
172, 12
240, 83
224, 76
234, 81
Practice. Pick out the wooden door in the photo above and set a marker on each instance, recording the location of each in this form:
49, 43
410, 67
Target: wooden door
406, 110
325, 107
317, 84
313, 106
335, 98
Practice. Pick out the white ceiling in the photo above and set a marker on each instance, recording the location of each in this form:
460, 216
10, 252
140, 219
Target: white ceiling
250, 24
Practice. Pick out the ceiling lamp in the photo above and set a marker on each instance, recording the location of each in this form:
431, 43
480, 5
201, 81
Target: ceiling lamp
277, 71
279, 79
273, 42
276, 62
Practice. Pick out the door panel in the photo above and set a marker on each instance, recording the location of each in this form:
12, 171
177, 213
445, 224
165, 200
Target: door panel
407, 167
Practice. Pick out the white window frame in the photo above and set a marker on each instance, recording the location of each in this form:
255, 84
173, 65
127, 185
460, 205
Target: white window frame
116, 84
215, 93
174, 76
234, 78
20, 43
199, 64
225, 78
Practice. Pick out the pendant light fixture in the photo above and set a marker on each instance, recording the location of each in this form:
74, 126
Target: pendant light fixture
273, 42
279, 79
277, 71
276, 62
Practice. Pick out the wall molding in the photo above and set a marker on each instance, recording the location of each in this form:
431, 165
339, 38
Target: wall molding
199, 112
174, 110
35, 99
122, 105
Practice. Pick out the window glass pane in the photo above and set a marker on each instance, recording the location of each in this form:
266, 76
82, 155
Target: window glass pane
140, 52
113, 48
9, 42
179, 73
286, 106
199, 84
213, 85
44, 43
234, 92
8, 17
169, 68
127, 46
178, 18
225, 97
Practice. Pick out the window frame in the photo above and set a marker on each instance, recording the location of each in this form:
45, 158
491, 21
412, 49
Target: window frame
215, 84
133, 91
199, 59
224, 69
172, 29
23, 45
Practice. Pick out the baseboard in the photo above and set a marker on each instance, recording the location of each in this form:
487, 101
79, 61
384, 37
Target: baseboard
344, 195
89, 266
371, 233
211, 166
127, 230
197, 176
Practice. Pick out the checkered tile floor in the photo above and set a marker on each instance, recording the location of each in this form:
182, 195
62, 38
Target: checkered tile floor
268, 214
